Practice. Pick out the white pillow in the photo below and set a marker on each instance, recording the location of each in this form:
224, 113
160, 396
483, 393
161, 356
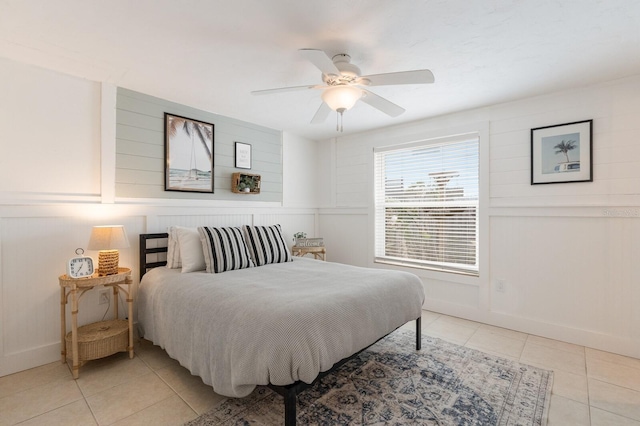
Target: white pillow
173, 249
190, 249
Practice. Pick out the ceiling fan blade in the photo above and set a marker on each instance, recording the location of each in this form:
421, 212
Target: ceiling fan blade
402, 77
320, 60
322, 114
381, 104
285, 89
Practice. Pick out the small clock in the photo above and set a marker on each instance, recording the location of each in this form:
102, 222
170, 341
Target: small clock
80, 267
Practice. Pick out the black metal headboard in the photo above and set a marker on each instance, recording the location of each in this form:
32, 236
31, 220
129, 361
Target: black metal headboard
144, 251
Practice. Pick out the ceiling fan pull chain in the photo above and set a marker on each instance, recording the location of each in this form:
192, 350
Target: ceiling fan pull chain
340, 121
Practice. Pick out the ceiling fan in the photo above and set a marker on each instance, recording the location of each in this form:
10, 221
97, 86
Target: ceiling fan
344, 86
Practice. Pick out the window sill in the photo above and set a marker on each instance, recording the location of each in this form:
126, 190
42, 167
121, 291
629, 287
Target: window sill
459, 277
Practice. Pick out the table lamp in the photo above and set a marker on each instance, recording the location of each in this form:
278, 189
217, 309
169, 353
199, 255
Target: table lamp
108, 239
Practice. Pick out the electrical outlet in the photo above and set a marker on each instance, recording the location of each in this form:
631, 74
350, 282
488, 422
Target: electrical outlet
501, 286
104, 297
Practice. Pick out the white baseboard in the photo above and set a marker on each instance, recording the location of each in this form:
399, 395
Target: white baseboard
30, 358
623, 346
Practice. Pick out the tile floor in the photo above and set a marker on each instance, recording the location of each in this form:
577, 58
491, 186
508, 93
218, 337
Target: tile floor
590, 387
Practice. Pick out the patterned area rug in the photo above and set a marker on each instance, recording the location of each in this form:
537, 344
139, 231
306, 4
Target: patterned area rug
393, 384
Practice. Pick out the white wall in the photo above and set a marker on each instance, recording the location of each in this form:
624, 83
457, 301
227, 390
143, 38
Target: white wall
568, 252
299, 175
589, 297
55, 185
50, 132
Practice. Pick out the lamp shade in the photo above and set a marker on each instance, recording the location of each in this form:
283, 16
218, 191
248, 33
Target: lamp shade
341, 98
108, 238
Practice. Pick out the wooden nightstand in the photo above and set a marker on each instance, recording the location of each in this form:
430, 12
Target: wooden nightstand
317, 252
98, 339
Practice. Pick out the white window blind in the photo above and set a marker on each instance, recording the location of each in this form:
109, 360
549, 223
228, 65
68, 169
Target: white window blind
426, 205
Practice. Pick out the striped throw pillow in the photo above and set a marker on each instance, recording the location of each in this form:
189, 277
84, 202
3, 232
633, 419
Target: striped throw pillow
266, 244
224, 249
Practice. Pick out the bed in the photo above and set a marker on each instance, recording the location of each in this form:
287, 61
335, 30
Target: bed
284, 325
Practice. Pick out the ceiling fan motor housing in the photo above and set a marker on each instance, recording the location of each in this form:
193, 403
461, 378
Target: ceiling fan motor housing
348, 72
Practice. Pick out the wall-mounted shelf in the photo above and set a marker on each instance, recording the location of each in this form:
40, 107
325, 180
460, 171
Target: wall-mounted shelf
240, 182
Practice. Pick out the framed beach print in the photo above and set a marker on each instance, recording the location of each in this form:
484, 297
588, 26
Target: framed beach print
562, 153
243, 155
188, 154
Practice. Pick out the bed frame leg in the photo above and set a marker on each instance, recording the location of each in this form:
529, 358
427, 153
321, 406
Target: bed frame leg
418, 333
290, 408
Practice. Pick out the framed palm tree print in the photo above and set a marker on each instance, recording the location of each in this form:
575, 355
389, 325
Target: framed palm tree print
562, 153
188, 154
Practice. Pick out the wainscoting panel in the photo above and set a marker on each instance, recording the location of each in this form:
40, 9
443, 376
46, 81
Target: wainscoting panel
34, 251
34, 254
579, 273
164, 221
299, 221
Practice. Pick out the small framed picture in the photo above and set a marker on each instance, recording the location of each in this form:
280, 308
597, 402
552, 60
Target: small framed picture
243, 155
562, 153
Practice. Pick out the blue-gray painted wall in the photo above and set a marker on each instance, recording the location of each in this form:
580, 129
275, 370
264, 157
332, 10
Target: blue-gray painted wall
140, 151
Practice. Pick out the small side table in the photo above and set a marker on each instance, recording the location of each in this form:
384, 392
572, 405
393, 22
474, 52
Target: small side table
102, 338
317, 252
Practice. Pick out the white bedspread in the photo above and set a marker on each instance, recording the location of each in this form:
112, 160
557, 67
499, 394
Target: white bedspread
276, 323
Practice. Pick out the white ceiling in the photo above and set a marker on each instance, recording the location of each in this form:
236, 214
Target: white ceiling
211, 54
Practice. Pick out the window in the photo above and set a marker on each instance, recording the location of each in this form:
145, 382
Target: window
426, 204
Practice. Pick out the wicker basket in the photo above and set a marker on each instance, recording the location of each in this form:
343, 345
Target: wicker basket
100, 339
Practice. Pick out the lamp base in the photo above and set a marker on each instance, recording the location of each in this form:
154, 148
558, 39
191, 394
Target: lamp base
108, 262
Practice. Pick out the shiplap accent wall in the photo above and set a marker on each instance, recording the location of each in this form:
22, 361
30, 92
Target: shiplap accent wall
140, 151
568, 253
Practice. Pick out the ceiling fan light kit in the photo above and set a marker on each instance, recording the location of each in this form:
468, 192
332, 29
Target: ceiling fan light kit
344, 85
341, 98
